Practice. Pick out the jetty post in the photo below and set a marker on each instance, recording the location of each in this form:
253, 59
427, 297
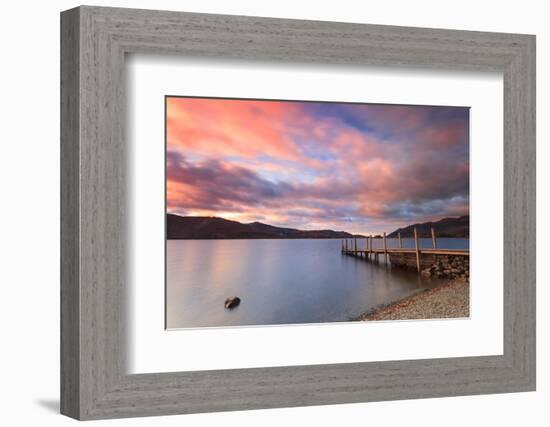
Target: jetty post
400, 241
417, 250
369, 244
355, 245
434, 243
372, 255
385, 249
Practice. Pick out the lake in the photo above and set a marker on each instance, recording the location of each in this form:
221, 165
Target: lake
281, 281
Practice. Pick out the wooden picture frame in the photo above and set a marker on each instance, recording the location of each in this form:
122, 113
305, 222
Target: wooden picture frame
94, 382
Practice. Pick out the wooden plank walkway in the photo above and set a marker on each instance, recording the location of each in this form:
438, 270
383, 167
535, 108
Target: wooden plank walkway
371, 253
361, 252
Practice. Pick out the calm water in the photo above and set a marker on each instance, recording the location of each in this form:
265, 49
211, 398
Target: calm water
280, 281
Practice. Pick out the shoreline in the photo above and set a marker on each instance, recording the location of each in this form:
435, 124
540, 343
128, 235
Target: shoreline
448, 300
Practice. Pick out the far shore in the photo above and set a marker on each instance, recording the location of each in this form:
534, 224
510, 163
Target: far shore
448, 300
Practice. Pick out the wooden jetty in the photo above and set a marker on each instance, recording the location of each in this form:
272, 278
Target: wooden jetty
421, 257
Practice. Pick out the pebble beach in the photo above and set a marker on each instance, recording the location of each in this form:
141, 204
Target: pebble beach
450, 300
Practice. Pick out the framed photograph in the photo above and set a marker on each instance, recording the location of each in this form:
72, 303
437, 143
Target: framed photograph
262, 213
258, 193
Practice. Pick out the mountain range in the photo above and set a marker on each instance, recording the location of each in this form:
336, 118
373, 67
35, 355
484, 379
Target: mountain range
446, 227
204, 227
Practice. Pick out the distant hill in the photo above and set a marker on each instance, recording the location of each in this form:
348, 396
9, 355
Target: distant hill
446, 227
203, 227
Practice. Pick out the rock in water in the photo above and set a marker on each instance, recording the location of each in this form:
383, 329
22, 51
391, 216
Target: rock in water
231, 303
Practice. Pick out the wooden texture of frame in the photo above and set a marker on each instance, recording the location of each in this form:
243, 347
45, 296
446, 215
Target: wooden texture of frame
94, 41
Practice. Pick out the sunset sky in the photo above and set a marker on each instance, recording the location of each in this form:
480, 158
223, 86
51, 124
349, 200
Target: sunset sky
361, 168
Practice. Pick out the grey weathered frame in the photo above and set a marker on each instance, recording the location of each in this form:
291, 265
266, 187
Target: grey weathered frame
94, 41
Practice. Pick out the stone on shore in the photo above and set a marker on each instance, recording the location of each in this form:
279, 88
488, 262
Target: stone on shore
231, 303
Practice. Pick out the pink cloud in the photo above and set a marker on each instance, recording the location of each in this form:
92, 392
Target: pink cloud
230, 127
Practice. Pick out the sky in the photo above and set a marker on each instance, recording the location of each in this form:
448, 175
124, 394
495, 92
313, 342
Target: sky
360, 168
